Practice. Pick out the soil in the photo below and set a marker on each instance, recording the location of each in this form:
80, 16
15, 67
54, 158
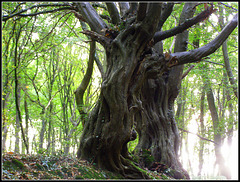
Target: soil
40, 167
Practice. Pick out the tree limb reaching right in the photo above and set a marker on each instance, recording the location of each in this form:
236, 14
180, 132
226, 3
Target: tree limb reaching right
197, 54
161, 35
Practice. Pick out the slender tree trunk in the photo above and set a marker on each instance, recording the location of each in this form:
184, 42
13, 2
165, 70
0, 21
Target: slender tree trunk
230, 122
17, 102
50, 128
84, 84
17, 129
217, 132
17, 88
53, 143
201, 132
34, 144
26, 119
226, 57
67, 146
42, 132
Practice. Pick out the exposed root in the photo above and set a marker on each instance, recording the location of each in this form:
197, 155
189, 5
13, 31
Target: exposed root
131, 171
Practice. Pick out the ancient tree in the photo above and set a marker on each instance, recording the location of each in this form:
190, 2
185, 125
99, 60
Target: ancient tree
140, 83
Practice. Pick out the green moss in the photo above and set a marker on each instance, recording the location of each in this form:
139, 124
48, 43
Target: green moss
135, 158
8, 165
85, 172
18, 163
141, 170
93, 173
147, 157
14, 165
79, 177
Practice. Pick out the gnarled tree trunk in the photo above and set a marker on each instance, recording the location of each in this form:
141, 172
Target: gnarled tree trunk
109, 128
158, 131
157, 128
139, 87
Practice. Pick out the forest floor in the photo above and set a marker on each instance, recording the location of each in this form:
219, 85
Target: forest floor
40, 167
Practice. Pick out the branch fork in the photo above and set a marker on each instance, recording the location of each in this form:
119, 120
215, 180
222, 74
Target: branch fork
97, 37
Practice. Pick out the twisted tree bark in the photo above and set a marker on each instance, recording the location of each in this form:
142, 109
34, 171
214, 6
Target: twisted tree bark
139, 88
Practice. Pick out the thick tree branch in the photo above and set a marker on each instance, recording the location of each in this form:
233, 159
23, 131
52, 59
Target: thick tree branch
153, 12
197, 54
133, 7
180, 45
150, 21
166, 12
141, 13
78, 16
97, 37
92, 18
96, 4
124, 7
113, 11
187, 24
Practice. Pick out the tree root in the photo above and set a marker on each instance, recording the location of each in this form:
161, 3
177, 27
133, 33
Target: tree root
131, 171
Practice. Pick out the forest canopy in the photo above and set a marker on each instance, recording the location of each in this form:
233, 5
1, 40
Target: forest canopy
123, 85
